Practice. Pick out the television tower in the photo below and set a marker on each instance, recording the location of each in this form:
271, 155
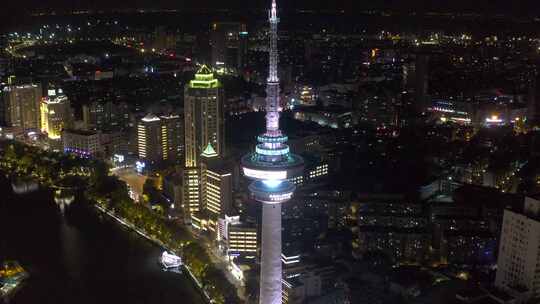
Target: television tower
270, 167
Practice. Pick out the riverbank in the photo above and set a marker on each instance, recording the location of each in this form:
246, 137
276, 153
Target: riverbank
52, 169
12, 276
83, 256
157, 242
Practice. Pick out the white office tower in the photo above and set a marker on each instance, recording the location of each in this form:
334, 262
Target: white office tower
518, 264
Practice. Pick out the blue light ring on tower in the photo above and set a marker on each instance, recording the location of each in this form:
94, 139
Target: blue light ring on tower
262, 150
289, 160
272, 139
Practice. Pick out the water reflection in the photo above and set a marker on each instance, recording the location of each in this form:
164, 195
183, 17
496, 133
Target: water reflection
80, 257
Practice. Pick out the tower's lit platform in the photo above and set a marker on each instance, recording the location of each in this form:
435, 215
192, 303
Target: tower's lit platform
256, 167
272, 192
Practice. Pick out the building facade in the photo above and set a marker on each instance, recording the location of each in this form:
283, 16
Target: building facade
204, 125
149, 139
106, 115
242, 240
216, 184
159, 139
228, 41
396, 228
55, 114
20, 106
172, 126
81, 142
518, 264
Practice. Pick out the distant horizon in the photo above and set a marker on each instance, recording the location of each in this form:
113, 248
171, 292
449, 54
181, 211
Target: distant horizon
525, 7
22, 12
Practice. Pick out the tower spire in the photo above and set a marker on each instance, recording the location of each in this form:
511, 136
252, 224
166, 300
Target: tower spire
271, 167
272, 86
273, 12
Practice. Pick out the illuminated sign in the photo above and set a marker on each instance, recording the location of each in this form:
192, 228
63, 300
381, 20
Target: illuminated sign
119, 158
265, 175
280, 197
494, 119
140, 166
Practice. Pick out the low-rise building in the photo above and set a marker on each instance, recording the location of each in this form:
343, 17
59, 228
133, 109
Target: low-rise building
81, 142
242, 240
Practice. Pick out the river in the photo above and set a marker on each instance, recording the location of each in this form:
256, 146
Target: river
82, 256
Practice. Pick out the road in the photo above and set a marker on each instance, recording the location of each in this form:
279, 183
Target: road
221, 263
134, 180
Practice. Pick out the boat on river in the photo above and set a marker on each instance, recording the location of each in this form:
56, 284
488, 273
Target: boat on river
170, 261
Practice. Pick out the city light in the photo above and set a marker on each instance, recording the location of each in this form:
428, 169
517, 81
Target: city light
272, 183
140, 166
419, 146
265, 174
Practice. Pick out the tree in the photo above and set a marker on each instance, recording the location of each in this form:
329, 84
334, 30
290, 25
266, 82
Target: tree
150, 192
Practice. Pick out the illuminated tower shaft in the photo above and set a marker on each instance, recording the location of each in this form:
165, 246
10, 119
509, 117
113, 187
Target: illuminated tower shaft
270, 289
271, 166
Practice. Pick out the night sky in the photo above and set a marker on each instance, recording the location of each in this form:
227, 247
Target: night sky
516, 6
14, 13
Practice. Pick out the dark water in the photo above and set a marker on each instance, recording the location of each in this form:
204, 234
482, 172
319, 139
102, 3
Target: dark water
82, 257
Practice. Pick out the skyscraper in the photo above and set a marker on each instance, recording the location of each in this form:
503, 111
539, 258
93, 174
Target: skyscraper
203, 116
149, 139
269, 167
159, 138
55, 114
216, 186
172, 143
229, 44
216, 183
20, 106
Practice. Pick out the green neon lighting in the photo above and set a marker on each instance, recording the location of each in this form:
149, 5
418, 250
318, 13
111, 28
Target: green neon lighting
204, 79
209, 151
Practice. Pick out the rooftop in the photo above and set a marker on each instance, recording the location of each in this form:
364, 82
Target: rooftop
204, 79
150, 118
80, 132
209, 151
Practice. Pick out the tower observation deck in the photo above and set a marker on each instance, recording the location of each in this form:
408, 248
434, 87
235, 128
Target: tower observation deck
270, 167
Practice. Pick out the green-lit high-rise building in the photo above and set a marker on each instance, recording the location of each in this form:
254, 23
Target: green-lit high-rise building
204, 125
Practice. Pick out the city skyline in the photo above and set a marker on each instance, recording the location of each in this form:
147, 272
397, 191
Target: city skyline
272, 153
423, 5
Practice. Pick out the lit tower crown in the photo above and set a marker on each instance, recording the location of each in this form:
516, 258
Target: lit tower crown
270, 167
